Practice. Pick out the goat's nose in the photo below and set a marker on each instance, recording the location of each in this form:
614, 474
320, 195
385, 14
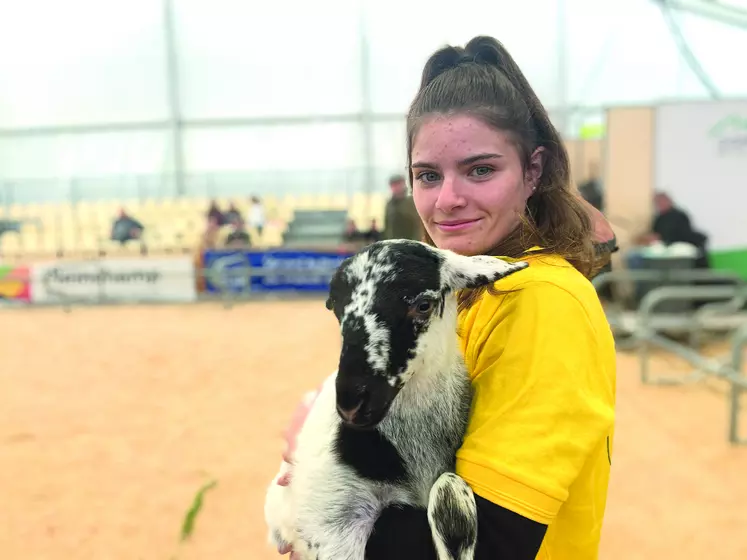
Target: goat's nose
349, 414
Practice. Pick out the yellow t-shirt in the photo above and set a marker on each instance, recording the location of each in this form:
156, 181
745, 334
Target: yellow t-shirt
539, 440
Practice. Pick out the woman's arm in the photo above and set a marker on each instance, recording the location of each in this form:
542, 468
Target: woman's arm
404, 533
603, 232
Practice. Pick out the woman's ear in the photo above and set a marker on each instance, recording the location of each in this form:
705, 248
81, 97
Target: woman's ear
534, 170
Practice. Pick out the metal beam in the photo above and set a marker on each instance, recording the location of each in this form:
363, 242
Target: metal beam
369, 152
221, 122
173, 91
89, 128
709, 9
226, 122
561, 117
245, 122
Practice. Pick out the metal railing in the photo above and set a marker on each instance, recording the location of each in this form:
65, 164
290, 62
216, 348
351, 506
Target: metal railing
719, 309
728, 369
624, 322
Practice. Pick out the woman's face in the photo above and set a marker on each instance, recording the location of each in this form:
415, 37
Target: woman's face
469, 186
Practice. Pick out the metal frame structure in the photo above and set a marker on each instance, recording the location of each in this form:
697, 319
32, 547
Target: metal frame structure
727, 14
176, 123
720, 313
728, 369
723, 314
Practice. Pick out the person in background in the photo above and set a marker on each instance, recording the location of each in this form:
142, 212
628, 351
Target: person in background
591, 189
352, 238
238, 237
256, 215
351, 234
373, 234
232, 216
126, 228
605, 241
215, 214
672, 224
208, 241
669, 225
401, 219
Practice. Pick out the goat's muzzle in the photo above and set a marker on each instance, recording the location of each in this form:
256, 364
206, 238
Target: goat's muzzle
363, 401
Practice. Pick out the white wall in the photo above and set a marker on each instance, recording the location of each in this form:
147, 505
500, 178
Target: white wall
703, 166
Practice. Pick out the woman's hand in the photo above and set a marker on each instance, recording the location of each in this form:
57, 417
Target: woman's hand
291, 440
291, 432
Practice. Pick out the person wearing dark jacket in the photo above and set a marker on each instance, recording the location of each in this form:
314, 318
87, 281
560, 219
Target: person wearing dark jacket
401, 220
673, 225
126, 228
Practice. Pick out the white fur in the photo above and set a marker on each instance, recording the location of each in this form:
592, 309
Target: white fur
328, 511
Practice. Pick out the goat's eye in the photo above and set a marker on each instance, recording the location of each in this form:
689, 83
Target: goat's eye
425, 306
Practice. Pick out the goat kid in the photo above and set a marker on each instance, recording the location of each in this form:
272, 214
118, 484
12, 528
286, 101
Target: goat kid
385, 427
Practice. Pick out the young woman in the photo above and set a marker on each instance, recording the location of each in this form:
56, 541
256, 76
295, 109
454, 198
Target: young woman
490, 176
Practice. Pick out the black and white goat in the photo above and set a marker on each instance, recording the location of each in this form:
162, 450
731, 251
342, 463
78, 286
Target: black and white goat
386, 426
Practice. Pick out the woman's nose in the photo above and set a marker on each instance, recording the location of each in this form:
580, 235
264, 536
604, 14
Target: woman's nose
449, 196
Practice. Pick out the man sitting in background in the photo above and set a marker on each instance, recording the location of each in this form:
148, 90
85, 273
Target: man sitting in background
591, 189
126, 228
351, 233
373, 234
672, 225
232, 215
239, 237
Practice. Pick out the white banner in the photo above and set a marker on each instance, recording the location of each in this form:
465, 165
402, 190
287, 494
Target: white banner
115, 279
701, 161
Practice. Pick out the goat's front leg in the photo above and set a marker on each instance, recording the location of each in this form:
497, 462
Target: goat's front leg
452, 515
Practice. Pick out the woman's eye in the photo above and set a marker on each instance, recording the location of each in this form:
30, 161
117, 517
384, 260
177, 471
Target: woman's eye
482, 171
428, 176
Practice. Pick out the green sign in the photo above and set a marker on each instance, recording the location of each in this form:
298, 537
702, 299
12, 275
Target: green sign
729, 124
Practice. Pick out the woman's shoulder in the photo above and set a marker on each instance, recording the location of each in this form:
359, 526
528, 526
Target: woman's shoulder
549, 301
545, 276
550, 285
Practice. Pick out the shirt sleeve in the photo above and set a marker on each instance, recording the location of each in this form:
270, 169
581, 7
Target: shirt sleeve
543, 401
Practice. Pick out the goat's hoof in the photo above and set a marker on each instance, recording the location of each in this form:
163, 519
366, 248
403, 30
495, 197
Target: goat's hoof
452, 515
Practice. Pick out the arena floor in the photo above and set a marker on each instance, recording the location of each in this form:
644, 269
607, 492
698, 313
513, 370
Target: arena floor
112, 418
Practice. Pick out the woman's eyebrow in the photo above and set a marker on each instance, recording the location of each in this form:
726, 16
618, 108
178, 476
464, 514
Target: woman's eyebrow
465, 161
479, 157
423, 164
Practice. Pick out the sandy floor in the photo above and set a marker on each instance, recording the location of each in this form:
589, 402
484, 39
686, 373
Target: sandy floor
112, 418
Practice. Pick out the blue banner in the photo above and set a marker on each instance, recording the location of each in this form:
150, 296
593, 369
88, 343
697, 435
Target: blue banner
258, 271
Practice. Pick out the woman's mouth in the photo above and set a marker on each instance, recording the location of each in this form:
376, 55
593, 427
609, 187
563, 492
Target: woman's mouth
455, 225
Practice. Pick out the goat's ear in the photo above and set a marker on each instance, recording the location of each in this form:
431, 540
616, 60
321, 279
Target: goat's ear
460, 272
329, 304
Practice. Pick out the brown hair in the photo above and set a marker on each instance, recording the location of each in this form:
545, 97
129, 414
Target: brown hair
482, 79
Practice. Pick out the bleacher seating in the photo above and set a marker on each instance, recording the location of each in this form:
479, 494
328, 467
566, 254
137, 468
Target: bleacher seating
319, 228
172, 225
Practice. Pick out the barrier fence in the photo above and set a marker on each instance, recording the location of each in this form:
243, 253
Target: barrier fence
234, 275
719, 309
223, 274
